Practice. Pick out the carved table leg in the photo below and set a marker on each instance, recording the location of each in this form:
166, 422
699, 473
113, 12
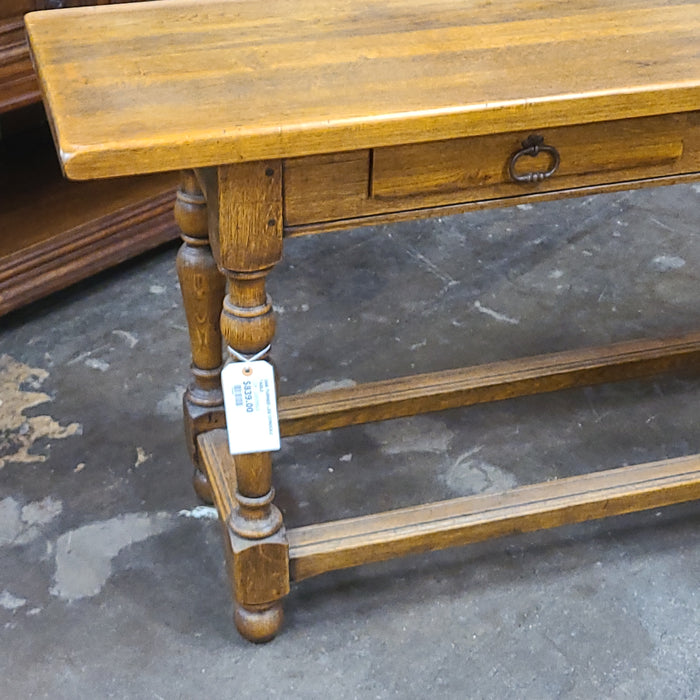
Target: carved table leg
250, 243
203, 288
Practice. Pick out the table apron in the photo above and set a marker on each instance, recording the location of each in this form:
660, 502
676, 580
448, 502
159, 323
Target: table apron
342, 190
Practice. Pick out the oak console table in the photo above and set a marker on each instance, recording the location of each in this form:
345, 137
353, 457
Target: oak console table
300, 116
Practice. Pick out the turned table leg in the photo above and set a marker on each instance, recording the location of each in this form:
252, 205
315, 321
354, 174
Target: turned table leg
250, 244
203, 288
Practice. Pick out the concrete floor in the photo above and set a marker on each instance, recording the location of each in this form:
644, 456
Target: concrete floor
109, 587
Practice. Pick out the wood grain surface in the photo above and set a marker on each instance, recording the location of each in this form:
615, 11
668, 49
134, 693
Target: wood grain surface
181, 83
437, 391
315, 549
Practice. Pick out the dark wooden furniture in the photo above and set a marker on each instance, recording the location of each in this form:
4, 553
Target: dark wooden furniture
301, 117
54, 232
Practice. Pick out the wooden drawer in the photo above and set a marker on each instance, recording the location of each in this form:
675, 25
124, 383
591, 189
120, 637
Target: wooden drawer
472, 168
442, 173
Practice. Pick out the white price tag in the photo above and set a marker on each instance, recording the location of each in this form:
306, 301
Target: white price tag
251, 407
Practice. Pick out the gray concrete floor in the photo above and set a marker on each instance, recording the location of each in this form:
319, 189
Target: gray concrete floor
110, 588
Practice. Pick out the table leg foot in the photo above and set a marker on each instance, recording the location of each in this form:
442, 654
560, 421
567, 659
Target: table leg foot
259, 623
202, 487
258, 560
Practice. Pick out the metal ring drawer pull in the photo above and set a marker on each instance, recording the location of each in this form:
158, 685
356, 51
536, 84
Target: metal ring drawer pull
532, 146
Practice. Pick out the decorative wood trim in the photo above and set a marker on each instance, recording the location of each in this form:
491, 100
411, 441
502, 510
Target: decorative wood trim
18, 84
32, 273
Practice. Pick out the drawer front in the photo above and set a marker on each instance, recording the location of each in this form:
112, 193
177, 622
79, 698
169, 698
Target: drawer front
480, 166
443, 173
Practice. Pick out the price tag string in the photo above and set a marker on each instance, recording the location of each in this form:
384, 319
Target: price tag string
248, 358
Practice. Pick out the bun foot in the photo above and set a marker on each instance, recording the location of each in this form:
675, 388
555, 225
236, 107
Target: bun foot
258, 624
202, 487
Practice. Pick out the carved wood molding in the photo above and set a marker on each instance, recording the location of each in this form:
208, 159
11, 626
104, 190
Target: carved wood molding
34, 272
56, 262
18, 85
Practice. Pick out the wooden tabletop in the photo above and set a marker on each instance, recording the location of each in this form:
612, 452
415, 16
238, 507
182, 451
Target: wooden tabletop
180, 83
